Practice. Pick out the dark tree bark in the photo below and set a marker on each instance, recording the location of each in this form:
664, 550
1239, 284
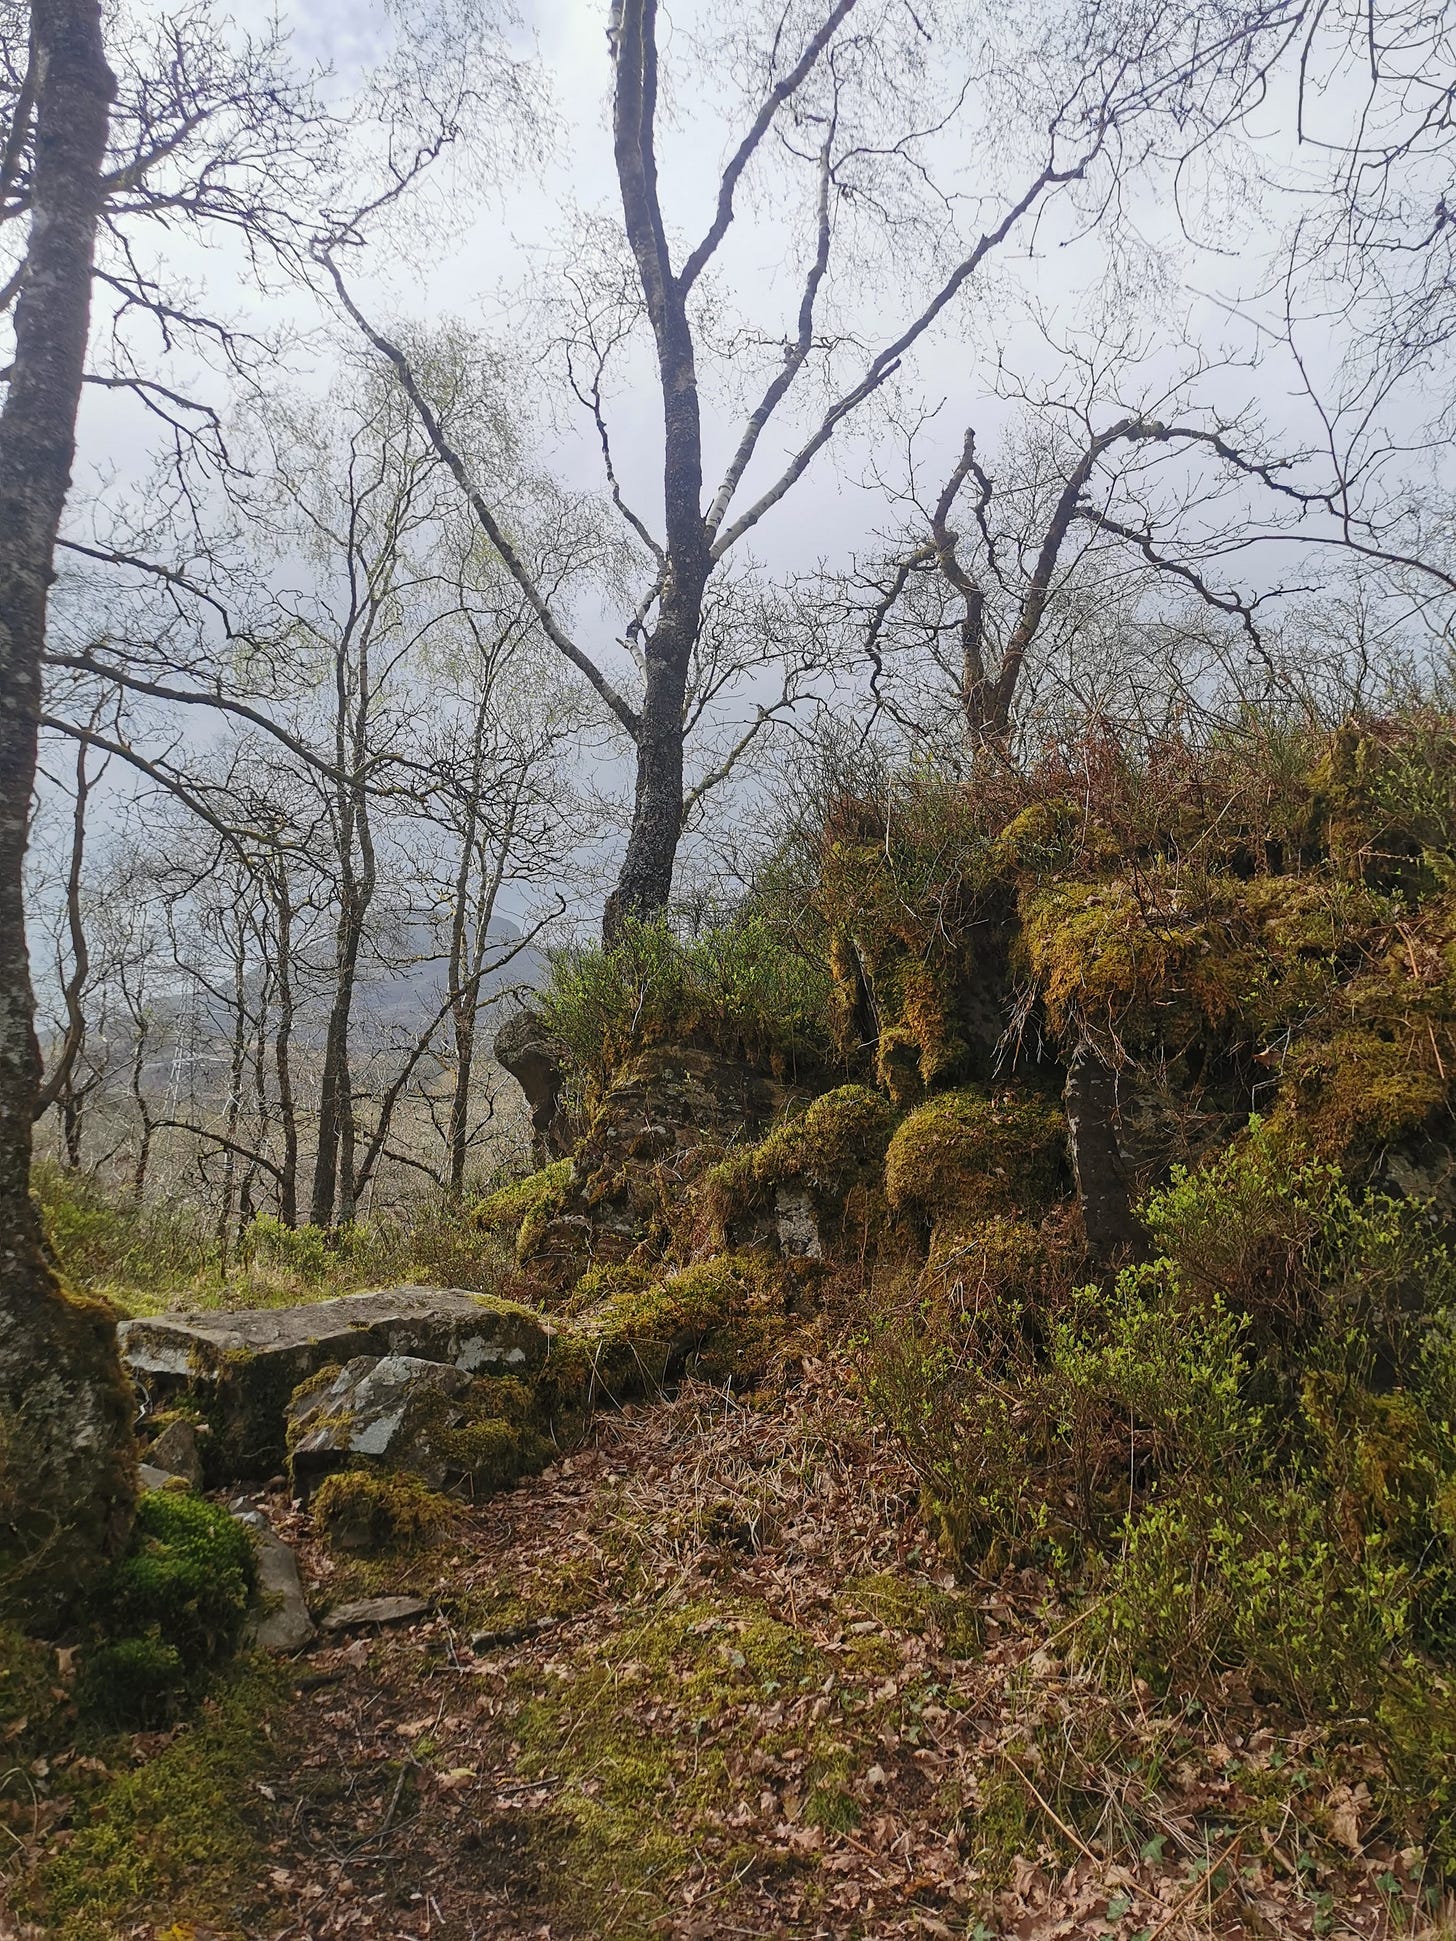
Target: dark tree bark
67, 1463
645, 883
283, 1046
1103, 1187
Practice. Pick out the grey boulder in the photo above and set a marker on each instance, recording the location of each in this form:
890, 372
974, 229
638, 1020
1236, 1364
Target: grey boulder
280, 1620
426, 1419
175, 1450
241, 1368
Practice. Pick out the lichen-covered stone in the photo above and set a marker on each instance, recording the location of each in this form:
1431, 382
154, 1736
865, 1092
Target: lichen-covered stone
242, 1368
426, 1419
279, 1620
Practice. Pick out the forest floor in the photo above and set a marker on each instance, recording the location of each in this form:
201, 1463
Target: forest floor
706, 1678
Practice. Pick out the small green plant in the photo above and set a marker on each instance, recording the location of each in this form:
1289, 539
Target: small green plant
304, 1251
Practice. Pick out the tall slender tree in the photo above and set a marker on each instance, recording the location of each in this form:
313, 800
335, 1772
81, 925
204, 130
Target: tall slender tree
67, 1474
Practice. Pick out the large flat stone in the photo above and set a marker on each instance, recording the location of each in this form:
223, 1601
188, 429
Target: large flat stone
242, 1367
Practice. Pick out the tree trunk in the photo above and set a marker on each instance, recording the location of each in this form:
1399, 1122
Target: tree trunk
282, 1054
645, 883
67, 1461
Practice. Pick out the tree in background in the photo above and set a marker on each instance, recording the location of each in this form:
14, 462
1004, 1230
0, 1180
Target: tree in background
841, 104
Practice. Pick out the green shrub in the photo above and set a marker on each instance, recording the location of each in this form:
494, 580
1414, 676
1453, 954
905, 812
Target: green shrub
1243, 1454
304, 1251
739, 988
100, 1237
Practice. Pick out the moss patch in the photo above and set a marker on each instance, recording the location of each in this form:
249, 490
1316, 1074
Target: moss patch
836, 1143
179, 1837
717, 1318
968, 1153
369, 1511
525, 1207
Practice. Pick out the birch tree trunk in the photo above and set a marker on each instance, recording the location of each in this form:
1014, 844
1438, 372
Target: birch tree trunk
67, 1465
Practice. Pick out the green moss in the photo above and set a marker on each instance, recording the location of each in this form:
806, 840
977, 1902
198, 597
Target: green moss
1041, 838
180, 1837
831, 1808
717, 1318
1355, 1092
527, 1206
966, 1153
629, 1729
608, 1278
838, 1137
31, 1701
185, 1581
908, 1603
373, 1510
136, 1681
993, 1261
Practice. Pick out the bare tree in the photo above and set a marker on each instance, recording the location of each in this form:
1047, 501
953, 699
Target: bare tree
841, 93
1096, 514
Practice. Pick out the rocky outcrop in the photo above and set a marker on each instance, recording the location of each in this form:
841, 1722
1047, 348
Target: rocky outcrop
427, 1419
525, 1048
240, 1369
672, 1112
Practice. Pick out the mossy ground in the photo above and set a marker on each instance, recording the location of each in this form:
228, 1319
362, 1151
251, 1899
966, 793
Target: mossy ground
706, 1677
181, 1838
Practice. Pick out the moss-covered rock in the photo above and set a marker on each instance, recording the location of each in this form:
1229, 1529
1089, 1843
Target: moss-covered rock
837, 1141
368, 1511
998, 1261
241, 1370
525, 1207
915, 908
718, 1318
966, 1154
398, 1413
68, 1476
